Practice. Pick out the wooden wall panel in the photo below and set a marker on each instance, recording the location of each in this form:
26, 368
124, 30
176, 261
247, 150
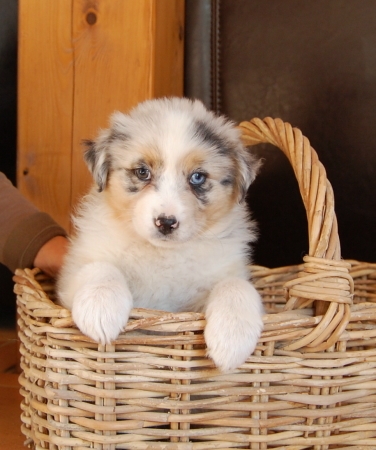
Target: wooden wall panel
168, 53
113, 44
45, 105
120, 52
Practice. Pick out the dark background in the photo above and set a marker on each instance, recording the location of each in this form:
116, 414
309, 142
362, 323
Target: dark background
312, 63
8, 119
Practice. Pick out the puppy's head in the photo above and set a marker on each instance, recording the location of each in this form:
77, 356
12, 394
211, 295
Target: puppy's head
170, 169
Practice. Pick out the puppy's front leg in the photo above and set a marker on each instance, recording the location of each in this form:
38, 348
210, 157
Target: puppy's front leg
234, 322
102, 301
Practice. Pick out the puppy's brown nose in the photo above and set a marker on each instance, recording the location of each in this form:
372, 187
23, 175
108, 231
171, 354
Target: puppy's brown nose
166, 225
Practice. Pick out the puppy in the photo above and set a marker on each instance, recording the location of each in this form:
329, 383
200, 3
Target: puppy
166, 227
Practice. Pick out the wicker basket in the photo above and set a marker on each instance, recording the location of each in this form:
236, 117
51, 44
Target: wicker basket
311, 383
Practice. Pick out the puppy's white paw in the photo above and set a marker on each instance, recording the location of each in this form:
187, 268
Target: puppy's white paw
234, 322
102, 303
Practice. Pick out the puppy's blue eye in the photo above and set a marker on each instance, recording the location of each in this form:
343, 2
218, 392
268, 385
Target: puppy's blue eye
197, 178
143, 174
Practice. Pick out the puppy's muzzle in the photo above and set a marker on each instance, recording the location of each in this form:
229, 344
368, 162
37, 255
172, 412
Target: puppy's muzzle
166, 225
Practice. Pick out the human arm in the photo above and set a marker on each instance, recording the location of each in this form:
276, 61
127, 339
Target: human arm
28, 236
50, 257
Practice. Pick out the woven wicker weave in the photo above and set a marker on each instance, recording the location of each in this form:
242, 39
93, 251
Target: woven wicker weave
311, 382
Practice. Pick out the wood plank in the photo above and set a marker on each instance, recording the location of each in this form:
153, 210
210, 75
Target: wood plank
78, 62
112, 42
45, 99
9, 355
169, 48
116, 66
10, 411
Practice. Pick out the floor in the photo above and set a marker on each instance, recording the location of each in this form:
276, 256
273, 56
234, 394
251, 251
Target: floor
11, 437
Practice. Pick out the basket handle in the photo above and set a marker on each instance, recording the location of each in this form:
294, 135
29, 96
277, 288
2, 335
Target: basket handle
324, 278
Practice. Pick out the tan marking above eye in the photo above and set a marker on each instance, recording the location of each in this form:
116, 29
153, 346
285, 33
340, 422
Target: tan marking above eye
217, 165
192, 161
150, 157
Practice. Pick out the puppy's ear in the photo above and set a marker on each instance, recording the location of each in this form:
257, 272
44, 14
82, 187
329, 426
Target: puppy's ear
97, 159
247, 168
98, 156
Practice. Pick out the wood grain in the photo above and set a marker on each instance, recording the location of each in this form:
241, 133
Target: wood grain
169, 49
45, 105
10, 409
79, 61
9, 355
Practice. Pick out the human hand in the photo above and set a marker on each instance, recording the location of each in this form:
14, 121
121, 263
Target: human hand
51, 255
